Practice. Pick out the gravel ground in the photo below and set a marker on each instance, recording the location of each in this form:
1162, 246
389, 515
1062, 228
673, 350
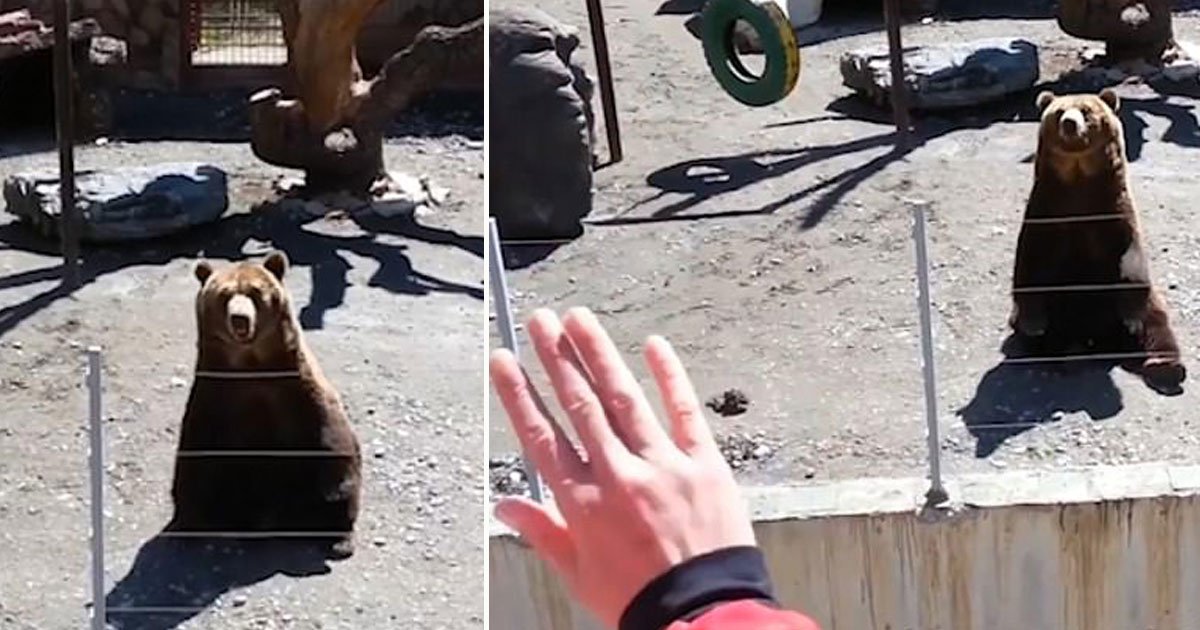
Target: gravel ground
393, 310
773, 247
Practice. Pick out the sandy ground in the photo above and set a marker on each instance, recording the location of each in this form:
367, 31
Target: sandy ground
393, 311
773, 247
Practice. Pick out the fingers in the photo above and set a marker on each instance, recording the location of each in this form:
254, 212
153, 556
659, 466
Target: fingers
618, 391
543, 528
688, 426
574, 391
540, 436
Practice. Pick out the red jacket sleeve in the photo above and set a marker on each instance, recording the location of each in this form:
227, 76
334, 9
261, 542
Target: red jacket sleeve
747, 614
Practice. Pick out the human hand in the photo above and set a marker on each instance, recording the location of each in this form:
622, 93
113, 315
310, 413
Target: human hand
633, 502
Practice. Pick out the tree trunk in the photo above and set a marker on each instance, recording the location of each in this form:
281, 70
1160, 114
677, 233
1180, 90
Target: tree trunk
328, 120
1130, 29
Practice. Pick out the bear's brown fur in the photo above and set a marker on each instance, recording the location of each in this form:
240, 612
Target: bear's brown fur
1081, 283
283, 403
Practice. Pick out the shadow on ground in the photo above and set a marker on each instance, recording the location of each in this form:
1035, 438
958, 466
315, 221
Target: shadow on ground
322, 253
1014, 398
698, 181
174, 579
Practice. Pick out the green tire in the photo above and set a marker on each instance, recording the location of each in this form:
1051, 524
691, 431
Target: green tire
779, 47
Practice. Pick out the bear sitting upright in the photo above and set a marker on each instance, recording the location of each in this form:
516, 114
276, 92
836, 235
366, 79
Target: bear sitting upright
1081, 283
258, 388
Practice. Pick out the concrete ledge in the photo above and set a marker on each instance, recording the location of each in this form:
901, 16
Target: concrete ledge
1106, 548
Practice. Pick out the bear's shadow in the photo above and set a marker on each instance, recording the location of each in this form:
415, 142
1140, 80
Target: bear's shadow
174, 578
1013, 398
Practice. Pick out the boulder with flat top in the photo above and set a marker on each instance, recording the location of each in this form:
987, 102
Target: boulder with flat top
123, 204
946, 76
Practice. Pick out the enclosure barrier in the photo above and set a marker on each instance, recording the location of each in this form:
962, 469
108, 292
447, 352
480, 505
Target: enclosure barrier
1102, 548
99, 609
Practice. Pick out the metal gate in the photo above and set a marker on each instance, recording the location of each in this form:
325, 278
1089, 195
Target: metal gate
232, 42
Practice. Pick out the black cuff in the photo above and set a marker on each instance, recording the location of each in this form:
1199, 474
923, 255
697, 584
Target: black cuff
725, 575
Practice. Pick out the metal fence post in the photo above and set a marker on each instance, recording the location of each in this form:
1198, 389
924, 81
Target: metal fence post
508, 331
937, 492
64, 117
96, 460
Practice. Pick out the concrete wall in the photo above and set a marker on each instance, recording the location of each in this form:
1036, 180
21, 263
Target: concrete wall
1114, 548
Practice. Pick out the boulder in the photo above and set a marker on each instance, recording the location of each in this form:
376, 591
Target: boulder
123, 204
542, 127
948, 75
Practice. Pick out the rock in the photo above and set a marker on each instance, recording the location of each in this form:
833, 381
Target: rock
948, 75
542, 127
20, 34
107, 51
123, 204
400, 194
731, 402
18, 21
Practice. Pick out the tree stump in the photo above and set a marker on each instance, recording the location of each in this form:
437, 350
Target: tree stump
1130, 29
328, 120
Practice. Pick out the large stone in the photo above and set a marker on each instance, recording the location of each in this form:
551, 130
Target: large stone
542, 129
21, 35
948, 75
123, 204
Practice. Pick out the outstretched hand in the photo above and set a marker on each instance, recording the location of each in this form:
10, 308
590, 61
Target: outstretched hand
632, 499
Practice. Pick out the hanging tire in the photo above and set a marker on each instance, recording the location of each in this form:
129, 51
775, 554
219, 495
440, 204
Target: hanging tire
778, 43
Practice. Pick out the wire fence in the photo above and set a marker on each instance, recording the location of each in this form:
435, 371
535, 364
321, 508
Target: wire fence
1008, 418
236, 32
105, 478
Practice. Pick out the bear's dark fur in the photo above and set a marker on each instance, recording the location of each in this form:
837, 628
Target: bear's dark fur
1081, 283
247, 325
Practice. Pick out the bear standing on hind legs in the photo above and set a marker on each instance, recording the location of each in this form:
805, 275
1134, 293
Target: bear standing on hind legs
258, 390
1081, 283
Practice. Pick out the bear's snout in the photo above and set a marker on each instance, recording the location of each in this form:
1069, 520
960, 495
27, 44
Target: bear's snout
1072, 124
240, 312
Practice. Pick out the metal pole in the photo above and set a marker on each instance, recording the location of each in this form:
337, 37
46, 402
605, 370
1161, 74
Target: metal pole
64, 116
96, 432
899, 92
937, 493
508, 332
608, 99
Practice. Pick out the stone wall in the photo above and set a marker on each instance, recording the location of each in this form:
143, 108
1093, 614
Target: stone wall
150, 29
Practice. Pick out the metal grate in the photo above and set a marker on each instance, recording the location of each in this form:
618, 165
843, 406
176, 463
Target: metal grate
236, 33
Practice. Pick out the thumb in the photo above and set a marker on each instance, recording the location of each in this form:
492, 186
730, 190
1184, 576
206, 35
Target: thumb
543, 528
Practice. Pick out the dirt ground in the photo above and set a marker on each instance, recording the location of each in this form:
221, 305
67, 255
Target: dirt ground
393, 310
773, 247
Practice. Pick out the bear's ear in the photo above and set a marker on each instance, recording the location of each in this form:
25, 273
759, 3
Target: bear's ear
203, 271
277, 263
1044, 99
1110, 98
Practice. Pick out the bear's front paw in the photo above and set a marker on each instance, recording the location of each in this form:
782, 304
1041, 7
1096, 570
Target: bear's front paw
1164, 374
341, 549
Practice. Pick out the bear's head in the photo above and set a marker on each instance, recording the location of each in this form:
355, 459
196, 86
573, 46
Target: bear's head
240, 304
1080, 125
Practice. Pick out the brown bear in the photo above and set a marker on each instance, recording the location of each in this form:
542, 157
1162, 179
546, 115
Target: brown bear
265, 445
1081, 283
